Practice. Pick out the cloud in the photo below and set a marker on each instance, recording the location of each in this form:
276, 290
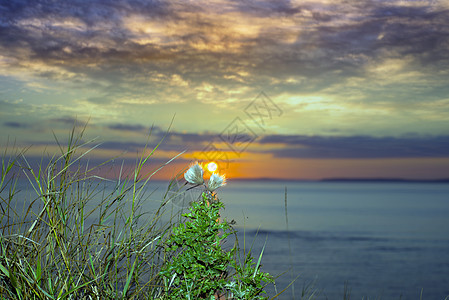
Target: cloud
122, 146
312, 147
127, 127
170, 135
300, 146
122, 57
16, 125
68, 120
192, 138
272, 38
171, 140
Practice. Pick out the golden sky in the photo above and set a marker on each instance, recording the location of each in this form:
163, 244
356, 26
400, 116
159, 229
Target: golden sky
274, 89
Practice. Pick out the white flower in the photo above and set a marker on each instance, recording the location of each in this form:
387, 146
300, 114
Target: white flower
194, 174
216, 181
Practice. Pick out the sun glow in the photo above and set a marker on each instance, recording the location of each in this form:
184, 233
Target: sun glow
212, 167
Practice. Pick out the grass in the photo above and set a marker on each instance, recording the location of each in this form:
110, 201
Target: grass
65, 245
77, 239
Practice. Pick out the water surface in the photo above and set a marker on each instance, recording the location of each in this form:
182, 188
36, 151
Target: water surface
385, 240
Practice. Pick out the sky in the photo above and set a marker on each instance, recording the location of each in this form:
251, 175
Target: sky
268, 89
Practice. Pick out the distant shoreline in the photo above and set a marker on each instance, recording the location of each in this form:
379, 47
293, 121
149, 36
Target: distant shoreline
361, 180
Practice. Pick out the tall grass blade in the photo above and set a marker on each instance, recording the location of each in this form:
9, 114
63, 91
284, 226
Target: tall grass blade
260, 258
128, 281
290, 255
286, 288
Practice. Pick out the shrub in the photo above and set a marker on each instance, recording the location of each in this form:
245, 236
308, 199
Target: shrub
198, 267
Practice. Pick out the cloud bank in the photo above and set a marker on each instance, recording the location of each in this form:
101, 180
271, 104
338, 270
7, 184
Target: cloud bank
354, 79
123, 49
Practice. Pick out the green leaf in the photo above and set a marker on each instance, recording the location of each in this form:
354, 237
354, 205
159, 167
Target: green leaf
260, 258
4, 270
128, 281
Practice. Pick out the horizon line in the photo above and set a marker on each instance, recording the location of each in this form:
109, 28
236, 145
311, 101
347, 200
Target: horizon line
344, 179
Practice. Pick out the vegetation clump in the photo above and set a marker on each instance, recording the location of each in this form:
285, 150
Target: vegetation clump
82, 236
199, 267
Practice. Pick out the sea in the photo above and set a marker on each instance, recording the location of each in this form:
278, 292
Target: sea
347, 240
339, 240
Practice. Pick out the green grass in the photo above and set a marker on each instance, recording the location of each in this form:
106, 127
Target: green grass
65, 245
76, 239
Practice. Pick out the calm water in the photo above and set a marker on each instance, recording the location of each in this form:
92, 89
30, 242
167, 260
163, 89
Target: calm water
386, 240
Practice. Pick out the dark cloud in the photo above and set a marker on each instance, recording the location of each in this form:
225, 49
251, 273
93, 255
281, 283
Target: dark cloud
127, 127
171, 141
267, 8
16, 125
373, 30
192, 138
319, 147
122, 146
417, 31
138, 147
300, 146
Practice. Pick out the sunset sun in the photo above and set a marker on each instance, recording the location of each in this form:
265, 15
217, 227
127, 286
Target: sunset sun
212, 167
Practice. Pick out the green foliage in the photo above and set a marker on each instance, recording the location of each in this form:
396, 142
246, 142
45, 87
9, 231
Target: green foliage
81, 236
200, 268
75, 238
